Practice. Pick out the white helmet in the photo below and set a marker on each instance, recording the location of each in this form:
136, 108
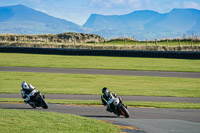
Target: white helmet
24, 85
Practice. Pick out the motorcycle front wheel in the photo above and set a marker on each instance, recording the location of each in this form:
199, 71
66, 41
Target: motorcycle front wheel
43, 103
124, 111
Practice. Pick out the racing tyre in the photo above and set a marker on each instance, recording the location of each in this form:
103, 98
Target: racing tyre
124, 111
43, 103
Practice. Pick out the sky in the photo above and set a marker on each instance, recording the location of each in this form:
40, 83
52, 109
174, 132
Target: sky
78, 11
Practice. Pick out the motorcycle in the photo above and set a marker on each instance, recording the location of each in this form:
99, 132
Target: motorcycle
38, 101
118, 107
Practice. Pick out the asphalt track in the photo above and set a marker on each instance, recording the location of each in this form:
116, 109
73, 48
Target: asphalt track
148, 120
103, 72
124, 98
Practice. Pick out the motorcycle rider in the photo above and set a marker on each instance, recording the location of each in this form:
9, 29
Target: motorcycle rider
107, 98
27, 92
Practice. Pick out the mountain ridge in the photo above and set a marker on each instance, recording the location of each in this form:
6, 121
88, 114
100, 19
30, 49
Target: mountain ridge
141, 24
31, 21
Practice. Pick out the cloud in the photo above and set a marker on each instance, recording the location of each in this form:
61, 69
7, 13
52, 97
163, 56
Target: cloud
136, 4
41, 10
108, 3
169, 6
148, 1
191, 5
172, 5
178, 4
93, 2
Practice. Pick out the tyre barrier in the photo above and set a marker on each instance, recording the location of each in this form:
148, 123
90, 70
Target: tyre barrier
89, 52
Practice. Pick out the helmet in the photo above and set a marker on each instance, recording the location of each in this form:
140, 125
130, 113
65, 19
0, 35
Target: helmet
24, 85
105, 91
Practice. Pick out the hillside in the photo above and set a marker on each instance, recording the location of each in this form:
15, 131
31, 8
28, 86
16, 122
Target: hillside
133, 20
23, 20
178, 20
147, 24
142, 25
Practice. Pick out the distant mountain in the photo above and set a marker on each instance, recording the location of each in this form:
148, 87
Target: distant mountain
180, 20
133, 20
23, 20
146, 24
141, 25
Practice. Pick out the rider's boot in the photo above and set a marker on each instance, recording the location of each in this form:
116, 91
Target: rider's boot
32, 104
118, 114
108, 108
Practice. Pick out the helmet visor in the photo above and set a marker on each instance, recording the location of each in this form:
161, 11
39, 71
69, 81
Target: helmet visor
106, 92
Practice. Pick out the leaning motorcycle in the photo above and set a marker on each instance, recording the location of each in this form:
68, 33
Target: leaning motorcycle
119, 108
38, 101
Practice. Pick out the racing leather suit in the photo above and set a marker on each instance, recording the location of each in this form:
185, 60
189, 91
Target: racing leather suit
28, 92
108, 99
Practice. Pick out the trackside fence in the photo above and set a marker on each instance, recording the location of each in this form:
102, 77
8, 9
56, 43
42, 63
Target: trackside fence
118, 53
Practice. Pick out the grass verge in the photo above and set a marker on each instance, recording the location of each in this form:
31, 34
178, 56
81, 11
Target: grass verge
176, 105
52, 83
173, 42
99, 62
20, 121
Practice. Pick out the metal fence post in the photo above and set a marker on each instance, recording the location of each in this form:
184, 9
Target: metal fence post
156, 42
167, 43
146, 42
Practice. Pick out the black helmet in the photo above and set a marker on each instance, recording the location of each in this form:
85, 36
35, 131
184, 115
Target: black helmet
105, 90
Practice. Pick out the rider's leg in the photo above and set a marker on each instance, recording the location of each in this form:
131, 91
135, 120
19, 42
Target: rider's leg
27, 99
108, 105
32, 104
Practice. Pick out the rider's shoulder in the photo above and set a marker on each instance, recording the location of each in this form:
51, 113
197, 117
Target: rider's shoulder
31, 86
111, 92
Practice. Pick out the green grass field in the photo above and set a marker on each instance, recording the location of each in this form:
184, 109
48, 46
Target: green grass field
20, 121
14, 120
97, 62
152, 43
92, 84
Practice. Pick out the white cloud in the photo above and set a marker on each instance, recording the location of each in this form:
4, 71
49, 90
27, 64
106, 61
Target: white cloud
191, 5
137, 4
93, 2
35, 1
41, 10
108, 3
170, 6
148, 2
